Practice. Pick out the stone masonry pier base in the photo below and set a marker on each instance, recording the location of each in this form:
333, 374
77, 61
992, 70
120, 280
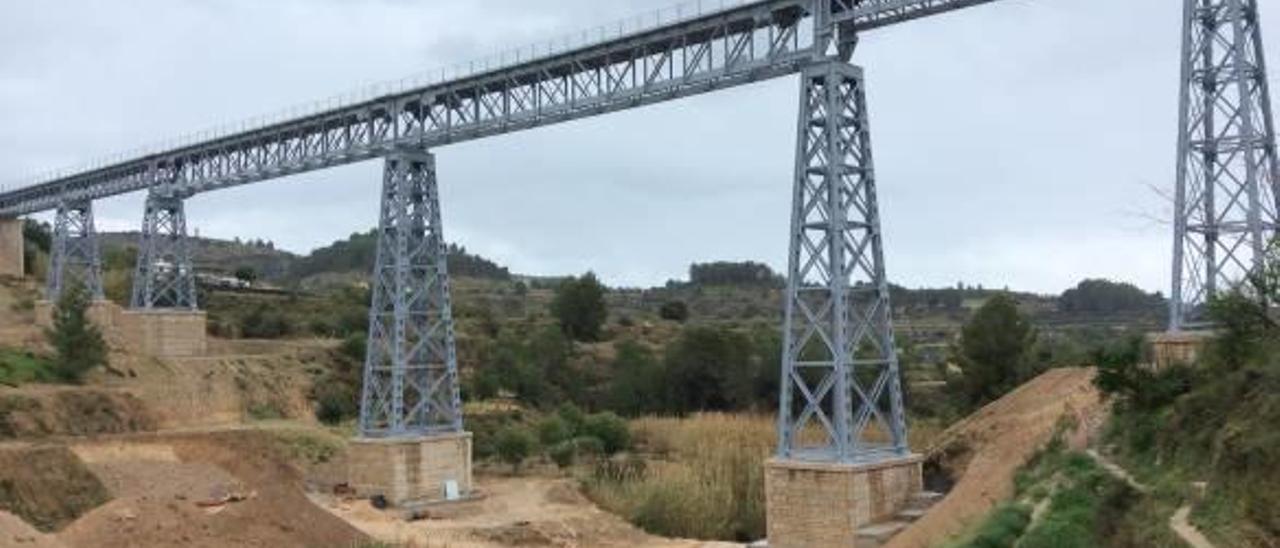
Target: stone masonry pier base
811, 504
158, 333
410, 470
1176, 348
11, 252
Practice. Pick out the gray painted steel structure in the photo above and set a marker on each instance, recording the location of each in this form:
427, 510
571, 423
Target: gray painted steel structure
411, 368
73, 255
721, 49
165, 276
1226, 205
839, 362
839, 367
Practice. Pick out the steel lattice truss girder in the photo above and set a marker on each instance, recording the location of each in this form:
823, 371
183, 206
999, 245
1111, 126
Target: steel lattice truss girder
411, 368
74, 260
841, 391
871, 14
739, 45
165, 275
1226, 203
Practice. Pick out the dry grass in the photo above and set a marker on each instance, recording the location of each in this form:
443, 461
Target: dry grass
704, 477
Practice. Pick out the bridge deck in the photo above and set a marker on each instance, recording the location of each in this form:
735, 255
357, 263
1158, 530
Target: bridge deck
703, 52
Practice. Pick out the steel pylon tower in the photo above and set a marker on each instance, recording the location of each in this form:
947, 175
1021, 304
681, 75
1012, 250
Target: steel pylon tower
165, 276
74, 259
411, 365
1225, 210
841, 395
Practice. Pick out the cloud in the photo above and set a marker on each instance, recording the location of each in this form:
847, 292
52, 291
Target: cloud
1016, 143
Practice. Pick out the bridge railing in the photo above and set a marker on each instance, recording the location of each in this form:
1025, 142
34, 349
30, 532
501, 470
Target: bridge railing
584, 39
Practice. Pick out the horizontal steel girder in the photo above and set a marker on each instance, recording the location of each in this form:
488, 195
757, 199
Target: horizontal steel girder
720, 49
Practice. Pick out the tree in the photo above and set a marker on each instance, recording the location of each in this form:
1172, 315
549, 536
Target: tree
77, 342
246, 274
580, 308
993, 351
708, 369
514, 446
676, 311
637, 380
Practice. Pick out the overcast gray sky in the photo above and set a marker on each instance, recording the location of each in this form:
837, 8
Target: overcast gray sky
1023, 143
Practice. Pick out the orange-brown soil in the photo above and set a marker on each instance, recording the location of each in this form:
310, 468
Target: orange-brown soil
983, 452
514, 511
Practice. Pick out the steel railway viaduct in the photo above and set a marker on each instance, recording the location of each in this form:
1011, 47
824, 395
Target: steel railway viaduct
842, 457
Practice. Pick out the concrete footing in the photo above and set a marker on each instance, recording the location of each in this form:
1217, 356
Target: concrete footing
1182, 347
12, 259
410, 470
812, 504
159, 333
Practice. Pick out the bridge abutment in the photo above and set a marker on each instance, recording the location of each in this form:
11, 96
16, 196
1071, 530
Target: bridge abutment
12, 257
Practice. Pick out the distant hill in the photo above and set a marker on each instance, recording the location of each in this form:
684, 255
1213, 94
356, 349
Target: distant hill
356, 254
348, 259
210, 255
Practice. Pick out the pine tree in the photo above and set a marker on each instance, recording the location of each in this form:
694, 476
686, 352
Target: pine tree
77, 342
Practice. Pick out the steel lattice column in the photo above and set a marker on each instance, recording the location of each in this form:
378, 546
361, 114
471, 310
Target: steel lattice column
1226, 203
841, 392
74, 259
411, 368
165, 275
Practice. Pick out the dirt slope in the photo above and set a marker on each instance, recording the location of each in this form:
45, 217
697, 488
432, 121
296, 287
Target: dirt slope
983, 451
159, 483
46, 486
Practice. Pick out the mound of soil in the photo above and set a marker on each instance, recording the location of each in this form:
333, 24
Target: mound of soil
202, 490
983, 452
15, 532
39, 412
48, 487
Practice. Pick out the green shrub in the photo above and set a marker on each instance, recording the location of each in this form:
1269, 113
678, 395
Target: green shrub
572, 416
563, 453
676, 311
18, 367
264, 322
610, 429
1002, 528
335, 403
553, 430
588, 446
354, 346
514, 445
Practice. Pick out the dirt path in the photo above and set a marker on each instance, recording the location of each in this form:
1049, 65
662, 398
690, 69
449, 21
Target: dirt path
525, 511
984, 451
1186, 531
1117, 471
1179, 522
